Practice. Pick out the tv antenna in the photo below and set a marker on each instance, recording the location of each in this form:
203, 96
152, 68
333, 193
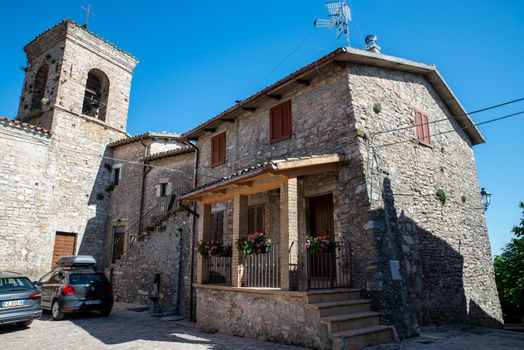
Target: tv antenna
339, 15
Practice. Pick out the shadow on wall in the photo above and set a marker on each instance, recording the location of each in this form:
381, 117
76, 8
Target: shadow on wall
94, 240
427, 287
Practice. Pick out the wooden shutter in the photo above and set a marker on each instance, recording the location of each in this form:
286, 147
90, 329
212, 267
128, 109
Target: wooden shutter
280, 122
286, 119
422, 127
218, 149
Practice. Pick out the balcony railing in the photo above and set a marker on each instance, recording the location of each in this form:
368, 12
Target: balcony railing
326, 269
219, 268
262, 270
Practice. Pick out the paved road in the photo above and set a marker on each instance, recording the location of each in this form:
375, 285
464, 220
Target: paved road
124, 329
460, 337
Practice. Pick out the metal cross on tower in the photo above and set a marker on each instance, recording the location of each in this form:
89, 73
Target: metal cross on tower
88, 13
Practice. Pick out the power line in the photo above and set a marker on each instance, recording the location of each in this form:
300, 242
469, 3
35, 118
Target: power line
453, 130
445, 119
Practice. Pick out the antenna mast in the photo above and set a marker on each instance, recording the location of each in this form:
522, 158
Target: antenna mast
339, 16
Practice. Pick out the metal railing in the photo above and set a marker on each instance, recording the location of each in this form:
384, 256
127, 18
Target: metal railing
153, 218
263, 270
219, 268
326, 269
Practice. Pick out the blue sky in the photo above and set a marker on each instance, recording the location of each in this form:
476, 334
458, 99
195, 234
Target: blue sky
198, 57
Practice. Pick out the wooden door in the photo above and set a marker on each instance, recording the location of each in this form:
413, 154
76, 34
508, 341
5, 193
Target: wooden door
118, 242
321, 216
65, 244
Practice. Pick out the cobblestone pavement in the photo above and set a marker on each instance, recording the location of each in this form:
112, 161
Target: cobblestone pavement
123, 329
460, 337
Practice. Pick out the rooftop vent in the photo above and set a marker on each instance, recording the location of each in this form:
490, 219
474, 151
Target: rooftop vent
371, 42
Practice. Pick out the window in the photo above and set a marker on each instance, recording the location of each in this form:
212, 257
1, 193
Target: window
57, 278
255, 219
116, 175
162, 190
422, 127
280, 122
40, 83
95, 96
218, 226
218, 149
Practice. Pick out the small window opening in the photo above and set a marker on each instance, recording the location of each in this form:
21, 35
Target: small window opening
95, 96
39, 86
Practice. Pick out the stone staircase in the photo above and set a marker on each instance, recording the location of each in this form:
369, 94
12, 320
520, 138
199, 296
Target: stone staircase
350, 323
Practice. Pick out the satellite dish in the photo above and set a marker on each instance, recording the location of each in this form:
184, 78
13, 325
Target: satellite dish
339, 15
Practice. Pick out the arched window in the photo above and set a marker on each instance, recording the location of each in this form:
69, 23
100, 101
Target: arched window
39, 86
95, 96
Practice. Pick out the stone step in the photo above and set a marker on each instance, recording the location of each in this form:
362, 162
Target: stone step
332, 308
327, 295
360, 338
352, 321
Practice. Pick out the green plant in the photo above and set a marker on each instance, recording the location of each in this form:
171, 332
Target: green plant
463, 199
345, 163
24, 69
100, 196
209, 248
442, 149
442, 169
360, 133
110, 187
319, 243
45, 101
441, 195
108, 166
63, 81
106, 127
254, 243
509, 276
377, 107
35, 113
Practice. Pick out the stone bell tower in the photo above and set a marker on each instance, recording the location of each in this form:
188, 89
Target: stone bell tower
72, 70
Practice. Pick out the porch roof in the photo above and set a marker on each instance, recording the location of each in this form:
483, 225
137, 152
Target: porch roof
262, 177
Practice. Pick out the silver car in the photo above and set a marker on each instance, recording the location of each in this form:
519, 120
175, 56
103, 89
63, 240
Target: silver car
19, 299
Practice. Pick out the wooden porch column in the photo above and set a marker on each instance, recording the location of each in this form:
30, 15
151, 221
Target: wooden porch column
204, 226
288, 230
240, 228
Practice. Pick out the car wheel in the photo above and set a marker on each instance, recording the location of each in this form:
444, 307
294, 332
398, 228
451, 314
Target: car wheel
56, 311
105, 312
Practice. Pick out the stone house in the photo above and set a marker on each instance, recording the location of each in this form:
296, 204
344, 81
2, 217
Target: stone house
374, 152
370, 151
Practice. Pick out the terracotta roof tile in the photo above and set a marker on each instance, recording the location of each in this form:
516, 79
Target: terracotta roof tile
170, 153
16, 124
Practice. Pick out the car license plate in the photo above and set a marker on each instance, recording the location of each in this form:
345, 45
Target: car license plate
12, 303
92, 302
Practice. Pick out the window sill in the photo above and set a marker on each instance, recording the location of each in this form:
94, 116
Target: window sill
217, 164
421, 143
278, 140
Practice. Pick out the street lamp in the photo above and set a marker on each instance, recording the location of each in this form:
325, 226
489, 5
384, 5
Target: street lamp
486, 198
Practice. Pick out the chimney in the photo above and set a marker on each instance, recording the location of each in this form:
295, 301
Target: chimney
371, 42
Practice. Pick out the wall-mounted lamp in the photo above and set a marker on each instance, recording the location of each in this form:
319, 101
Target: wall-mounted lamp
486, 198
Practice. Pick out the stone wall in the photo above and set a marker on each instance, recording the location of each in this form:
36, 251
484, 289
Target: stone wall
273, 315
442, 250
26, 239
159, 252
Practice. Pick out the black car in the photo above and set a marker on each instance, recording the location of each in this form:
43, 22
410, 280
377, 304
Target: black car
19, 299
75, 286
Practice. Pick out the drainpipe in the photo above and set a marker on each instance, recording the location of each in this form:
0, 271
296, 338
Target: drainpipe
192, 245
145, 170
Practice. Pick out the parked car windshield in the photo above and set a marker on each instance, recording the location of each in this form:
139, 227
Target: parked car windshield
87, 278
13, 284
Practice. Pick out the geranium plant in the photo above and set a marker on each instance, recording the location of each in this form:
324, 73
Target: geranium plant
210, 248
319, 243
254, 243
